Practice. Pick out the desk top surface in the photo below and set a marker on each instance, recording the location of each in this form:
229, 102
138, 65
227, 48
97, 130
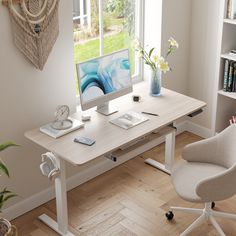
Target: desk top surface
170, 106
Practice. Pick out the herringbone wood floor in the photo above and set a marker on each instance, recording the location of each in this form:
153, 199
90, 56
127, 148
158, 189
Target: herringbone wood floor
129, 200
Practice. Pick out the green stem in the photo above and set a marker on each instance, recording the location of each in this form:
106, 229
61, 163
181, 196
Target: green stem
146, 57
170, 50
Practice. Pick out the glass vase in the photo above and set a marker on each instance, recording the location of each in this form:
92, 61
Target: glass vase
155, 82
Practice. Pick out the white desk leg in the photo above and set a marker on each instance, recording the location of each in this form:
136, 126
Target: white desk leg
169, 155
61, 226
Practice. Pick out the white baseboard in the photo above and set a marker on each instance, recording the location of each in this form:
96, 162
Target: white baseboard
87, 174
197, 129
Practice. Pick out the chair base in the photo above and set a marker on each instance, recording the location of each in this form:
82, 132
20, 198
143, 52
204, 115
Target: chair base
205, 214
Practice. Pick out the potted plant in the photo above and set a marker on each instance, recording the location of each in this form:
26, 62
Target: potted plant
157, 63
6, 229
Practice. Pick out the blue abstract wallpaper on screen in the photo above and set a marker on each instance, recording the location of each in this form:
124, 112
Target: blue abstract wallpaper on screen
104, 75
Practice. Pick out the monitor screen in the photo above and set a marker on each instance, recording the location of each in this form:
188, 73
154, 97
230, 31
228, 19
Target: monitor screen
102, 77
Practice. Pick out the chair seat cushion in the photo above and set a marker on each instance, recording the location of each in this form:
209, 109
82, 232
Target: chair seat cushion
186, 175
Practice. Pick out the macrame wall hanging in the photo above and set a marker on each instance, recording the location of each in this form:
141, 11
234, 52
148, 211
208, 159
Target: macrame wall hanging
35, 27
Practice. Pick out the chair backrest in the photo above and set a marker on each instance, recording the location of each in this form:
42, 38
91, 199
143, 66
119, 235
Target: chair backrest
226, 147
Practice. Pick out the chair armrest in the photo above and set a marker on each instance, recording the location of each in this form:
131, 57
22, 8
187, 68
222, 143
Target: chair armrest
218, 187
201, 151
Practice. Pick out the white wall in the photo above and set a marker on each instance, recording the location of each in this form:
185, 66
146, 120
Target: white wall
166, 18
28, 98
176, 22
152, 28
203, 55
195, 25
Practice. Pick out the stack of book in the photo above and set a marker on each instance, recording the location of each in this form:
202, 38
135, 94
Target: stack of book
229, 76
231, 9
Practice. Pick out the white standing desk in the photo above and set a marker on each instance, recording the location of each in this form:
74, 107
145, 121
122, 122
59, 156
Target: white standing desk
170, 106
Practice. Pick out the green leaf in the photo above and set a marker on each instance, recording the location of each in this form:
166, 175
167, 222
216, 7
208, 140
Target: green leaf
5, 195
150, 53
6, 145
5, 191
9, 196
3, 169
1, 198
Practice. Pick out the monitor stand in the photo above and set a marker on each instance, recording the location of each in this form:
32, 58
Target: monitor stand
105, 109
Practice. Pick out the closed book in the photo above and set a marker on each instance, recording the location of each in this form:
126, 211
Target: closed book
49, 130
230, 79
234, 79
226, 75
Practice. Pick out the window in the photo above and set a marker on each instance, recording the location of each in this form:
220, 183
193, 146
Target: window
81, 15
106, 26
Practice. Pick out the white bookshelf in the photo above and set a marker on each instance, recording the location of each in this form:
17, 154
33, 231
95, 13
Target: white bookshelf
229, 21
224, 103
228, 56
228, 94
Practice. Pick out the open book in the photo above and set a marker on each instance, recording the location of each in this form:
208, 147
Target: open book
129, 120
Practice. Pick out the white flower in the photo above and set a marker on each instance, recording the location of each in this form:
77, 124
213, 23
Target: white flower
161, 60
163, 65
173, 42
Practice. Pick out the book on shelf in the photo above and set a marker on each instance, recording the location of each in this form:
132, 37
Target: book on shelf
231, 9
234, 79
233, 52
230, 77
226, 74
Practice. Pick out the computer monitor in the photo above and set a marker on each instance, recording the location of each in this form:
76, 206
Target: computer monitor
103, 79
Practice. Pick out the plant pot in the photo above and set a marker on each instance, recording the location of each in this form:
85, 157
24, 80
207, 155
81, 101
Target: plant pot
6, 228
155, 82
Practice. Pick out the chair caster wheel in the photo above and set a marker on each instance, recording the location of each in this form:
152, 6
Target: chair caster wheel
169, 215
213, 205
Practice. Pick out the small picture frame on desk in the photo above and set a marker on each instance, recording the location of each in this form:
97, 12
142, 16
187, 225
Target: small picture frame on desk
136, 98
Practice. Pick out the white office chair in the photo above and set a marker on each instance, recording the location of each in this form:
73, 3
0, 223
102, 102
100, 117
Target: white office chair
207, 174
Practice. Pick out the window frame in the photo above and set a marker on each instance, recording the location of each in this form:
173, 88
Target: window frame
141, 21
83, 15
